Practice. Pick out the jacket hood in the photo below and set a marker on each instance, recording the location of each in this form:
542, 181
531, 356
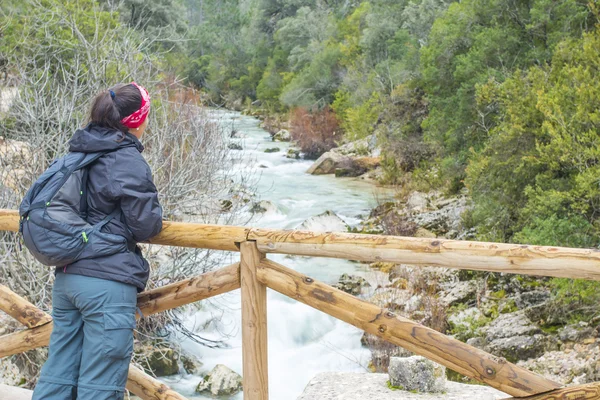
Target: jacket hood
94, 138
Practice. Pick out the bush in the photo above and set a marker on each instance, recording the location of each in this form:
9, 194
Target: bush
315, 132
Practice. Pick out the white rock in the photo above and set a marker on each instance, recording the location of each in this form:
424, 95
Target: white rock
14, 393
326, 222
282, 136
220, 381
366, 386
327, 163
418, 374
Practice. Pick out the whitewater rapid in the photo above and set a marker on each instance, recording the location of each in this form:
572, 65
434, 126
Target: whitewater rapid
301, 341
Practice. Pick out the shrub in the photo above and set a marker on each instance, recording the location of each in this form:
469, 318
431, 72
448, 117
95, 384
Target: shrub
315, 132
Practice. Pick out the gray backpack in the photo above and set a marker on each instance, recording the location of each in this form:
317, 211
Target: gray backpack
54, 215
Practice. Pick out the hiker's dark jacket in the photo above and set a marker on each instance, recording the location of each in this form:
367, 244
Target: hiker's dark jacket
121, 178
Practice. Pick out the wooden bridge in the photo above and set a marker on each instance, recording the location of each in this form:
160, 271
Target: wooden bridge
255, 272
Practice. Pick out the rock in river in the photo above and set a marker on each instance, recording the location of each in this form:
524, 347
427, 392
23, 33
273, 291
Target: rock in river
328, 163
221, 381
326, 222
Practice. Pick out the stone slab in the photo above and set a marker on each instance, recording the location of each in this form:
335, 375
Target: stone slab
367, 386
14, 393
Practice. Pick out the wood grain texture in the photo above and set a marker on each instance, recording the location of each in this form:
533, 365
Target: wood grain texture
254, 325
9, 220
481, 256
183, 234
590, 391
217, 237
190, 290
403, 332
154, 301
28, 339
21, 310
149, 388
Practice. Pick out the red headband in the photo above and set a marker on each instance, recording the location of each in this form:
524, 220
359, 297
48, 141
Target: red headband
137, 118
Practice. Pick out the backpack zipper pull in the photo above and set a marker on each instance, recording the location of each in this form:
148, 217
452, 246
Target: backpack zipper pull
85, 238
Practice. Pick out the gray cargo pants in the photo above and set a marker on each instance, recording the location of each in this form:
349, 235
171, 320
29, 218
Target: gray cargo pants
91, 342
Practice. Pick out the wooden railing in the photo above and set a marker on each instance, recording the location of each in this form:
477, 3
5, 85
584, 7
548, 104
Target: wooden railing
254, 273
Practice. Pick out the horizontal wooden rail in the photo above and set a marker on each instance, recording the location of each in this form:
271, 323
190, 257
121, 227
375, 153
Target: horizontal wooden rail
148, 388
403, 332
183, 234
150, 302
480, 256
22, 310
589, 391
190, 290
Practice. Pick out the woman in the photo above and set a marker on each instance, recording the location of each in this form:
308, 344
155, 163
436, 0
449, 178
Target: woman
94, 300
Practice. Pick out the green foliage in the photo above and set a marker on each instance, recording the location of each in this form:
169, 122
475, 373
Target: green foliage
536, 179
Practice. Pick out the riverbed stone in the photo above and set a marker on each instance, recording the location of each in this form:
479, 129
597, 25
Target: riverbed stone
221, 381
282, 136
294, 154
458, 292
325, 222
417, 373
234, 146
191, 363
162, 362
273, 150
328, 163
366, 386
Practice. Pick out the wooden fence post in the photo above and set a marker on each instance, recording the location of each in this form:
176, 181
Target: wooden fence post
254, 325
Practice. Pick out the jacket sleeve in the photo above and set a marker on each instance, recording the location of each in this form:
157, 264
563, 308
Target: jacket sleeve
132, 185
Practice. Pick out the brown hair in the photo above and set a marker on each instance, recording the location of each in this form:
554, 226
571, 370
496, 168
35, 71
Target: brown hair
112, 105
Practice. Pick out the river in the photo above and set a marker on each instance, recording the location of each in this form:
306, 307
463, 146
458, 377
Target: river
301, 341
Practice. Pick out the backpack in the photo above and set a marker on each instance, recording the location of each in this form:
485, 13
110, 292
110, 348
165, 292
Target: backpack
53, 215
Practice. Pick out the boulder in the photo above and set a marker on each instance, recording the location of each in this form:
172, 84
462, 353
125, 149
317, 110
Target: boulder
466, 324
191, 364
234, 146
262, 207
273, 150
521, 347
325, 222
577, 332
514, 337
418, 374
328, 163
459, 292
532, 298
14, 393
417, 202
443, 221
160, 361
282, 136
511, 325
351, 284
366, 386
294, 154
221, 381
362, 147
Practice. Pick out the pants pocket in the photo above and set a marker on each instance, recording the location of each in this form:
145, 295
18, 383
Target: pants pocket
119, 323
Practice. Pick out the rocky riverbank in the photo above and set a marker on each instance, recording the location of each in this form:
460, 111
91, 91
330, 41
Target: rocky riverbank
516, 317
